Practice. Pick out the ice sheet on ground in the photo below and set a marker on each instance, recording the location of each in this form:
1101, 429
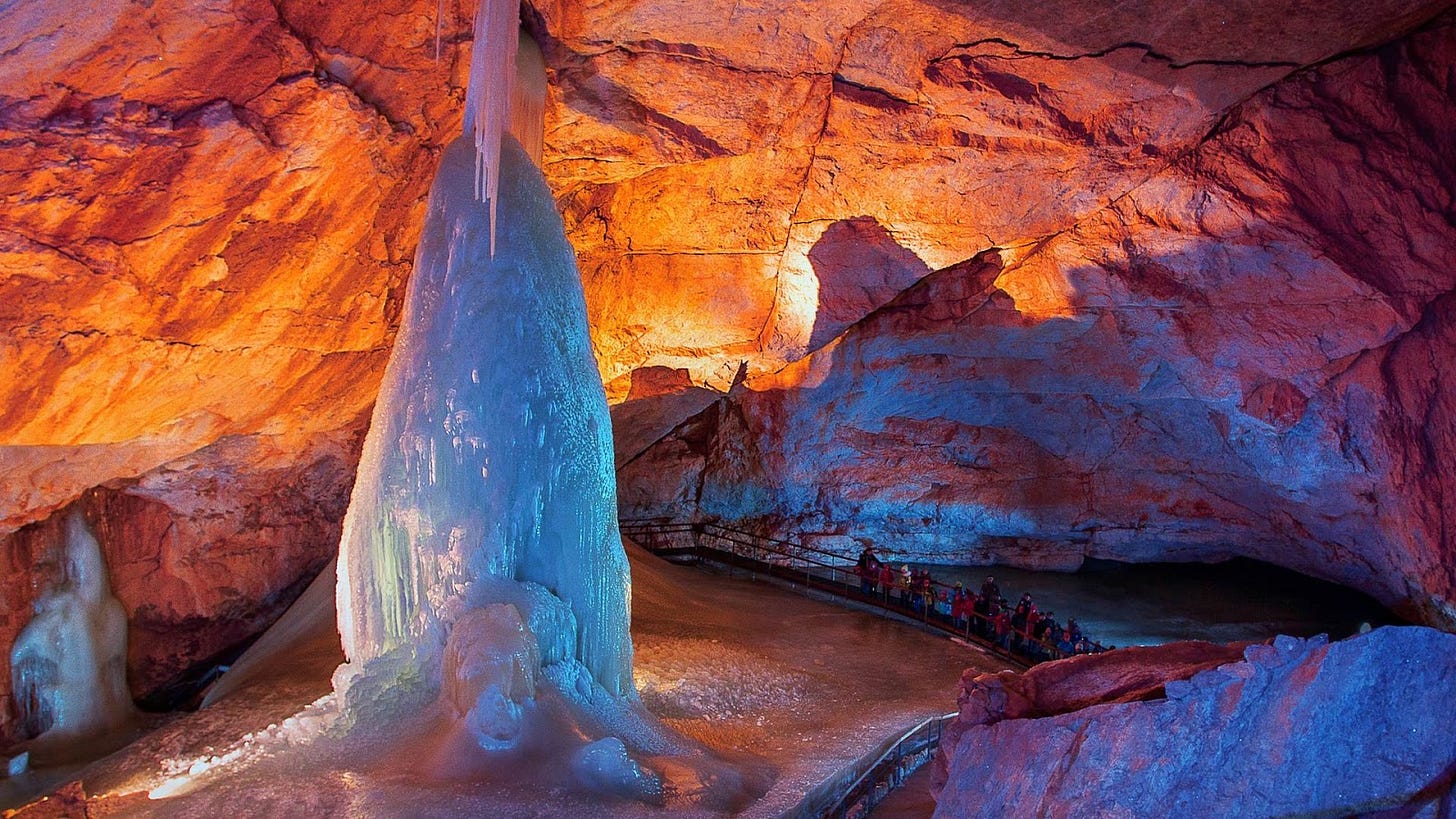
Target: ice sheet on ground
860, 679
307, 631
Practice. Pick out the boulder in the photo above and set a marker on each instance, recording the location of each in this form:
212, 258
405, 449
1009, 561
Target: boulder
1298, 727
1048, 689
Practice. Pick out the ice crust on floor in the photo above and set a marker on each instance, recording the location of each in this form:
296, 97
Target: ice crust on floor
68, 665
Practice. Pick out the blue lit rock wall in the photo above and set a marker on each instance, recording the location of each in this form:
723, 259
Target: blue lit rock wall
1298, 728
1249, 354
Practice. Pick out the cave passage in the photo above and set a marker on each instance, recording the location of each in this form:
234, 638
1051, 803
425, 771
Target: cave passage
1123, 604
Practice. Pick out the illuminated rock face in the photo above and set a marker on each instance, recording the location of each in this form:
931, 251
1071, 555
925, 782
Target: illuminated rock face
1296, 728
206, 219
207, 215
714, 163
1241, 356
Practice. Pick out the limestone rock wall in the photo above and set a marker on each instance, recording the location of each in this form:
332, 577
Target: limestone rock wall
207, 215
744, 180
1246, 353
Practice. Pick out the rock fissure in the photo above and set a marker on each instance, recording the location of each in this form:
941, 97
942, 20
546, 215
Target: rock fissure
326, 76
94, 332
1149, 51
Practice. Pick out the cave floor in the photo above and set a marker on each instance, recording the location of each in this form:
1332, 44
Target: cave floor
803, 688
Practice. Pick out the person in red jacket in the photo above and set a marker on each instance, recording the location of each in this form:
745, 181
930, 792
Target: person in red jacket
1001, 626
960, 607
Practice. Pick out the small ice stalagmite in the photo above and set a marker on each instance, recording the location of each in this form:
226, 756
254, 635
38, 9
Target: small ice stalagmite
68, 665
486, 477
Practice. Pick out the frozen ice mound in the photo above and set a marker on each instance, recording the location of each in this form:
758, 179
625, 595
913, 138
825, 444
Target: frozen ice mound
483, 591
68, 665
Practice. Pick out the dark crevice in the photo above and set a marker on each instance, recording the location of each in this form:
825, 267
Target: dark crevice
325, 77
1148, 50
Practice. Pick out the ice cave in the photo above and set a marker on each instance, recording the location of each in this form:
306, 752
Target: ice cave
646, 408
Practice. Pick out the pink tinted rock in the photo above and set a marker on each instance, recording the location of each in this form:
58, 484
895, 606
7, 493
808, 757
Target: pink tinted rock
649, 382
1048, 689
1298, 728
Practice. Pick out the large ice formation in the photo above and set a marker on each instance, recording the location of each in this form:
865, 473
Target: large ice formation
486, 476
483, 592
68, 665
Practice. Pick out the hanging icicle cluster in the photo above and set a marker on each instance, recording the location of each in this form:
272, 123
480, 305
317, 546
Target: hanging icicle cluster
488, 98
528, 98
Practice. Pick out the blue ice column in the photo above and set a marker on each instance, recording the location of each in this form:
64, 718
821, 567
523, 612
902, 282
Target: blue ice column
488, 464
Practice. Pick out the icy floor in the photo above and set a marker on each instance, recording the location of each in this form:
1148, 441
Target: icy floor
777, 683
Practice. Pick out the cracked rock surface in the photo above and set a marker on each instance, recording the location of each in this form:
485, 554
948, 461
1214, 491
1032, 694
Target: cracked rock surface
704, 157
208, 211
1248, 353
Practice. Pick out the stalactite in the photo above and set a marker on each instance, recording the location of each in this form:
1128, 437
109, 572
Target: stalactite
487, 101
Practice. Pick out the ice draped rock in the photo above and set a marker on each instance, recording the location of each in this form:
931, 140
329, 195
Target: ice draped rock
1240, 356
207, 214
202, 553
1298, 727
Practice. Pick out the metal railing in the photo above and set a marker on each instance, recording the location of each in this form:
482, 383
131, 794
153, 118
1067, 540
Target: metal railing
855, 791
835, 574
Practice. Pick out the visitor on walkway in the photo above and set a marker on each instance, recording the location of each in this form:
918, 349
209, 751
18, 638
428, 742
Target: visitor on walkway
960, 607
1021, 620
942, 605
868, 569
1020, 629
1001, 627
983, 611
990, 592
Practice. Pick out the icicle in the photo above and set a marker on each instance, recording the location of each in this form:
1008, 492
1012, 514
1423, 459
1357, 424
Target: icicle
487, 101
528, 98
439, 18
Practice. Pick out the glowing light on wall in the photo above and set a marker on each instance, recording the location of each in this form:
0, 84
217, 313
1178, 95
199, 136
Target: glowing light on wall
796, 304
1037, 282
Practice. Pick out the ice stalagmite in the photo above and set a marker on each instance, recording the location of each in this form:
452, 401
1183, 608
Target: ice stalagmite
486, 477
68, 665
